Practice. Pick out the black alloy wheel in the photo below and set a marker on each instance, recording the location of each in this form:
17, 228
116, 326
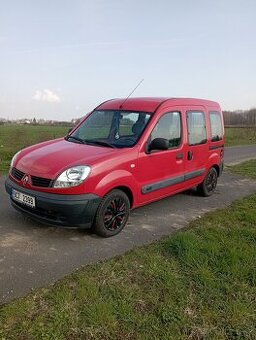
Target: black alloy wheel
112, 214
208, 186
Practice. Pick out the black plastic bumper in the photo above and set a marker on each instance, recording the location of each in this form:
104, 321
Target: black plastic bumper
64, 210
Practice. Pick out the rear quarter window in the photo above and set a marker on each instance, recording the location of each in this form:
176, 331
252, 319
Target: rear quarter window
216, 126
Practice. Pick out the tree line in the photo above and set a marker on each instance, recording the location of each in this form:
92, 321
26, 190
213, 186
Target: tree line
240, 118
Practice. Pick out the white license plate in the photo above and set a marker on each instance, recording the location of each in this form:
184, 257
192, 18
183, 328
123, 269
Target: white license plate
24, 198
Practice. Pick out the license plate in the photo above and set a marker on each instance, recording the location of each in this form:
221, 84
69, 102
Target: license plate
24, 198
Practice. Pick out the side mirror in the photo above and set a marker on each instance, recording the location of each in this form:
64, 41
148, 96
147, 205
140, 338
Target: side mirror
159, 144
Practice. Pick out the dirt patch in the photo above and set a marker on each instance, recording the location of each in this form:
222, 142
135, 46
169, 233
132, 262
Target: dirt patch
14, 239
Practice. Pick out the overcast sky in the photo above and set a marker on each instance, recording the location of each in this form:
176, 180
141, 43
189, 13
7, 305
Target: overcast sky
60, 58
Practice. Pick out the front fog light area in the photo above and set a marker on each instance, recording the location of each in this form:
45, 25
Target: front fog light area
72, 177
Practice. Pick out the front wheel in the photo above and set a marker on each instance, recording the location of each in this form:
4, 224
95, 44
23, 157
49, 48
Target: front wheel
208, 186
112, 214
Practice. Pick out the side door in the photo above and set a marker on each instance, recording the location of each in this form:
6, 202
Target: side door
161, 172
197, 146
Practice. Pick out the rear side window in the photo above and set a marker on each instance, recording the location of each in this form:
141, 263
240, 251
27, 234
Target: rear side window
196, 128
168, 127
216, 126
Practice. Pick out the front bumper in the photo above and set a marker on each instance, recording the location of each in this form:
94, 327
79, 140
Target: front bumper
64, 210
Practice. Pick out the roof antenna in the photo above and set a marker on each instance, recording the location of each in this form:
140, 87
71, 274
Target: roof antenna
121, 105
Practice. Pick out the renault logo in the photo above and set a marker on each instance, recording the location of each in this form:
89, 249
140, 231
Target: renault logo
25, 180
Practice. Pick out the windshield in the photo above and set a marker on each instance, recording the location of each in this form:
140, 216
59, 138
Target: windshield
111, 128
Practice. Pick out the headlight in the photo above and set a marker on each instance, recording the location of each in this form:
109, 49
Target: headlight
72, 177
14, 158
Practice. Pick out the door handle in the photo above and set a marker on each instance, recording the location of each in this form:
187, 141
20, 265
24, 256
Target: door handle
190, 155
179, 155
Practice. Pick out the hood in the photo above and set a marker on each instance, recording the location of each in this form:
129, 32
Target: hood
50, 159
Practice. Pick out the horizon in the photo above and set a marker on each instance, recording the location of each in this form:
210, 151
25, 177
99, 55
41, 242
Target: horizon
40, 119
60, 60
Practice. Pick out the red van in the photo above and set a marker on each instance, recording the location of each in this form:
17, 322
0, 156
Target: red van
124, 154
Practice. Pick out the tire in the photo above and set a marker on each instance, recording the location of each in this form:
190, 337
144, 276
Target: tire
208, 186
112, 214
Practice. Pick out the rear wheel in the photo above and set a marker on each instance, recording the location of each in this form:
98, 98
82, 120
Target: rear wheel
112, 214
208, 186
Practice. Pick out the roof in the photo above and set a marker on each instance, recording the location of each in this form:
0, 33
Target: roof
150, 104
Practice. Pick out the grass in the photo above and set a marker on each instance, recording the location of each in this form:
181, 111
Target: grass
245, 169
15, 137
240, 136
197, 284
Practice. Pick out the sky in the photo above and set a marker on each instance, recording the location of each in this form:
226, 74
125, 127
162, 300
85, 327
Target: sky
61, 58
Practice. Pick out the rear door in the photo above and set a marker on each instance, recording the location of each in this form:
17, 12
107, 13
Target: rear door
161, 172
196, 148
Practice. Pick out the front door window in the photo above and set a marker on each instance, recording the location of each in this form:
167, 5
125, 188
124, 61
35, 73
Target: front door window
169, 127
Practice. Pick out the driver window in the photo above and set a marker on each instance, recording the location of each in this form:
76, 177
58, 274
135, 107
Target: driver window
168, 127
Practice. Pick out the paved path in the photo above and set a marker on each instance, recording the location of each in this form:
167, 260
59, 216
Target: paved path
238, 154
33, 255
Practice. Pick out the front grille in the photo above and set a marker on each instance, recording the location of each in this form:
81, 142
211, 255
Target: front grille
17, 174
36, 181
41, 182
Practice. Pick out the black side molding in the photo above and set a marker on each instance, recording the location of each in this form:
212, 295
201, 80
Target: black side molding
171, 181
214, 147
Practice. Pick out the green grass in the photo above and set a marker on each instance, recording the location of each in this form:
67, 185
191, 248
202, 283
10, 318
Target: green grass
15, 137
245, 169
240, 136
197, 284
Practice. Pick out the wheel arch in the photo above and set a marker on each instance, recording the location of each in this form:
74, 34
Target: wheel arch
121, 180
217, 168
128, 192
214, 162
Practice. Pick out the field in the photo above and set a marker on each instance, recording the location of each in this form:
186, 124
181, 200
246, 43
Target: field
16, 137
240, 136
197, 284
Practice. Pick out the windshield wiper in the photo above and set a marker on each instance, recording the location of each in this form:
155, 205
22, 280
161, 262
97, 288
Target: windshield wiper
99, 142
81, 141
